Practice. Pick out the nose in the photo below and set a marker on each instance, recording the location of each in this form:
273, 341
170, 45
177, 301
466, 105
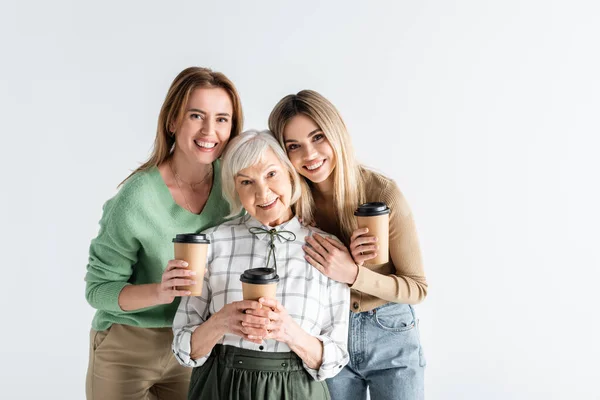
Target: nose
309, 153
208, 127
262, 191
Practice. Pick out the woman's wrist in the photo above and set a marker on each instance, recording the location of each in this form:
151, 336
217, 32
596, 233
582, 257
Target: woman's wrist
218, 322
308, 348
136, 297
296, 335
205, 337
354, 274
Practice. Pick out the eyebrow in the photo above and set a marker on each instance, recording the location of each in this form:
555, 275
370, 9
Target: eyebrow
266, 168
204, 112
309, 135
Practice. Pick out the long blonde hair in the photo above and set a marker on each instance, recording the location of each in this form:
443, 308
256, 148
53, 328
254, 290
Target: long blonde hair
173, 110
349, 185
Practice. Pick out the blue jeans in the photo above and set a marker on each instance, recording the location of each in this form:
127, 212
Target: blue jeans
385, 356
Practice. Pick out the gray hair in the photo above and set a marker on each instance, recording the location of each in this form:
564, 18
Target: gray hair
247, 150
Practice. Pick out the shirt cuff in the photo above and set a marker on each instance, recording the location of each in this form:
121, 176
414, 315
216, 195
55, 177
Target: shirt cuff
182, 347
334, 359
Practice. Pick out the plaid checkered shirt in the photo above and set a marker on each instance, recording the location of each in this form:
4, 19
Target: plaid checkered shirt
318, 304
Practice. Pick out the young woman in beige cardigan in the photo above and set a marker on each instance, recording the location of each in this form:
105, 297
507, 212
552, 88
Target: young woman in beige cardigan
386, 357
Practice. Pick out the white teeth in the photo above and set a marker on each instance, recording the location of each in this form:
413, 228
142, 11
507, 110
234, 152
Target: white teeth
206, 145
269, 203
314, 166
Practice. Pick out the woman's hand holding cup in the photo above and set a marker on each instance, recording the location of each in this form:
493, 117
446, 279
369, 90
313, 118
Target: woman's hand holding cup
176, 274
281, 326
362, 246
242, 318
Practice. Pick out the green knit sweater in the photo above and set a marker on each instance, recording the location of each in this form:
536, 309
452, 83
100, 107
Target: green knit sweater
134, 245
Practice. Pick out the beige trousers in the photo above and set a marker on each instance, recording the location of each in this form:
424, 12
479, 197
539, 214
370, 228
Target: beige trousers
130, 363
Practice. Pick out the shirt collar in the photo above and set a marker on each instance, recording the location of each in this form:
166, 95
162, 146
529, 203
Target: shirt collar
293, 225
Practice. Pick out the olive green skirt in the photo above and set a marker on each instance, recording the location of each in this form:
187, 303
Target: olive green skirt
240, 374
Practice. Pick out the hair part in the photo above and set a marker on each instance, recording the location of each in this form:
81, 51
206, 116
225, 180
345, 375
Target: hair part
247, 150
349, 185
172, 111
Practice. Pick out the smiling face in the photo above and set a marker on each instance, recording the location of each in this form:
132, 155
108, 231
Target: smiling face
265, 190
206, 125
308, 149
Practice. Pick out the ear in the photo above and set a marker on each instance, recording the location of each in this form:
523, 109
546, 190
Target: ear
172, 128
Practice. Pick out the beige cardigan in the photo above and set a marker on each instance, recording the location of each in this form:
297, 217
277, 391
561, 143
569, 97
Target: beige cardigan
402, 279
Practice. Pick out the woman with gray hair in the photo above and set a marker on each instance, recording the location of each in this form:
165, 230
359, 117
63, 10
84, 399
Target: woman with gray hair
277, 348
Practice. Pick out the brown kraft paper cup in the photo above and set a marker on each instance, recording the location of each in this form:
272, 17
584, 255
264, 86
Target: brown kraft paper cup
259, 282
192, 248
376, 217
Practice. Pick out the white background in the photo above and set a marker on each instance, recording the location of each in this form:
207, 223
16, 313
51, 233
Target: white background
484, 112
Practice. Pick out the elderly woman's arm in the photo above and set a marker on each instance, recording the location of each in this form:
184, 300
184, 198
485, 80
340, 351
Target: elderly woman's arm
196, 332
191, 315
323, 355
334, 331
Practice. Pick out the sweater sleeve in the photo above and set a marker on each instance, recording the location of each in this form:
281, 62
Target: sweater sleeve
111, 258
408, 284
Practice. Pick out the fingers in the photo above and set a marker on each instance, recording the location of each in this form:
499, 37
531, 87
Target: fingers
316, 246
265, 312
179, 293
169, 281
244, 305
365, 250
335, 243
315, 264
252, 320
361, 241
324, 243
313, 254
181, 282
273, 333
358, 232
253, 333
178, 272
274, 304
172, 264
255, 326
360, 259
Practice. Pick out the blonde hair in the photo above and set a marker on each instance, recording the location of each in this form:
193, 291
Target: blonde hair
173, 110
349, 185
245, 151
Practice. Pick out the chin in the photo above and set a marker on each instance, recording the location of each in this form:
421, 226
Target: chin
317, 179
206, 158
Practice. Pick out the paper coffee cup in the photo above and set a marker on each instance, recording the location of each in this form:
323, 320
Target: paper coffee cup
259, 282
192, 247
376, 217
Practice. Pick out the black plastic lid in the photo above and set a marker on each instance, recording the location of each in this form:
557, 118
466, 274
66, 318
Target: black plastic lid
259, 276
372, 209
191, 238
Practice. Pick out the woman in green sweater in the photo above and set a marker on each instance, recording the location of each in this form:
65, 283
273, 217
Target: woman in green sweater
130, 280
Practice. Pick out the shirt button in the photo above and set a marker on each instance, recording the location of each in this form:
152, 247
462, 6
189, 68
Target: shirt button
261, 347
283, 364
355, 305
